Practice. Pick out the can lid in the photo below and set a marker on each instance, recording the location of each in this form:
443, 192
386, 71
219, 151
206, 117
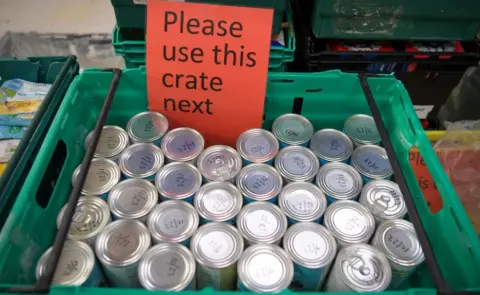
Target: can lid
302, 201
217, 245
259, 182
384, 199
339, 180
297, 163
218, 201
178, 180
310, 245
372, 161
219, 163
182, 144
262, 222
141, 160
331, 145
362, 129
112, 142
169, 267
102, 175
265, 268
257, 145
172, 221
132, 198
122, 242
74, 267
292, 129
147, 127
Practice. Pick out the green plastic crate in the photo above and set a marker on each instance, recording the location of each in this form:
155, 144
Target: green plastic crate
57, 70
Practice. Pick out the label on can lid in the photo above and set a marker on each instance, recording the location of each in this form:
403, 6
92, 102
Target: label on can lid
339, 181
258, 146
173, 221
218, 201
373, 162
399, 242
332, 146
266, 269
144, 127
179, 181
310, 245
259, 182
140, 162
349, 221
123, 244
296, 163
137, 198
82, 221
184, 144
302, 202
262, 223
217, 245
294, 130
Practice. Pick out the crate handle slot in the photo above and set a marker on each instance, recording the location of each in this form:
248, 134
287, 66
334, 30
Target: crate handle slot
297, 105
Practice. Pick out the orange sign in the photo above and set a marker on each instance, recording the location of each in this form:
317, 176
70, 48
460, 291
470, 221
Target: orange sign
207, 66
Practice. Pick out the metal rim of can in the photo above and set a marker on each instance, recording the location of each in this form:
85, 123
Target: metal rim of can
356, 161
350, 126
330, 172
166, 207
109, 130
82, 254
266, 135
368, 221
278, 125
174, 133
384, 199
310, 237
104, 249
223, 213
319, 138
233, 167
280, 165
278, 257
123, 190
293, 191
96, 209
155, 116
163, 173
217, 234
129, 151
245, 216
153, 280
242, 179
97, 190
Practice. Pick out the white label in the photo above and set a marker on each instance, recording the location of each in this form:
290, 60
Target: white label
339, 181
422, 111
262, 223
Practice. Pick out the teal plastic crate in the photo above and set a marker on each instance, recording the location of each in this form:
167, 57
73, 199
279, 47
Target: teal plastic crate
59, 71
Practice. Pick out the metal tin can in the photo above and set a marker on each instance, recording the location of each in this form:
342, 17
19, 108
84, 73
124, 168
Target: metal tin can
313, 249
349, 222
297, 163
182, 145
178, 181
111, 144
398, 241
302, 201
218, 201
257, 146
262, 222
76, 267
141, 160
362, 130
259, 182
217, 246
292, 129
132, 199
219, 163
90, 218
147, 127
331, 145
371, 161
119, 247
339, 181
173, 222
169, 267
359, 268
384, 199
264, 268
102, 176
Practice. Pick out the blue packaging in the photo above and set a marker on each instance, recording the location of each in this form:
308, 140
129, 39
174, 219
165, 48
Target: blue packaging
12, 132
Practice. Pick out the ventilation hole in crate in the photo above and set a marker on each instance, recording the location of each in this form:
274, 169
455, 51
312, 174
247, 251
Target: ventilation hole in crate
297, 105
50, 177
457, 223
281, 81
314, 90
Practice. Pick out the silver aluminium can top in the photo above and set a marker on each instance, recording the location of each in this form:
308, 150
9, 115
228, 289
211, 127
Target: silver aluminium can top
182, 144
302, 201
218, 201
265, 268
292, 129
74, 267
217, 245
102, 175
259, 182
112, 142
339, 180
372, 161
172, 221
219, 163
331, 145
169, 267
257, 145
362, 129
297, 163
141, 160
147, 127
178, 180
132, 198
384, 199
